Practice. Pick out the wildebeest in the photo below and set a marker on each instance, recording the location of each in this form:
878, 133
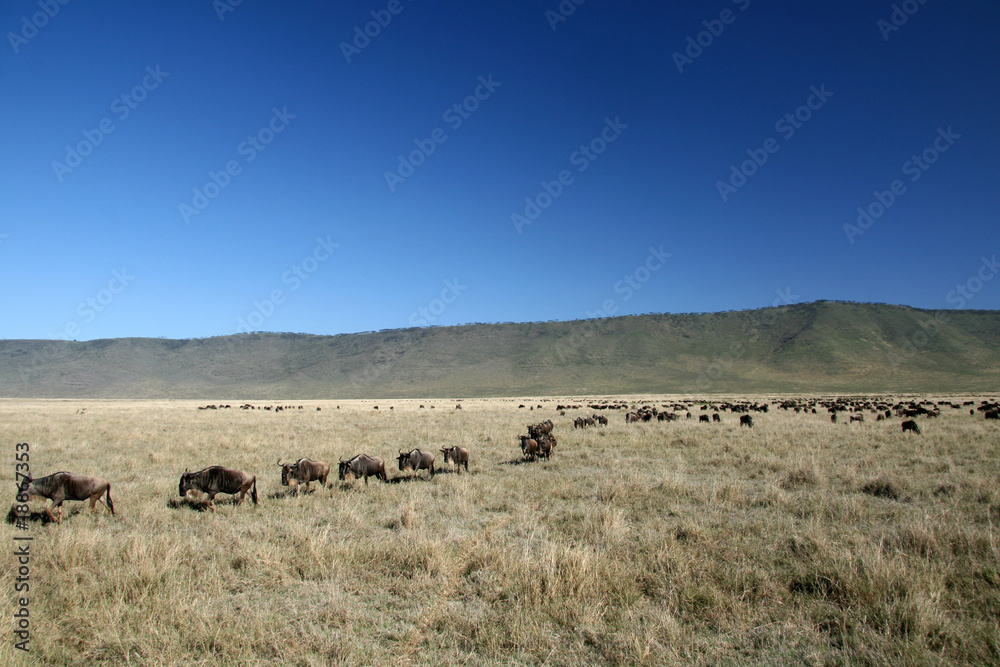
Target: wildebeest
910, 425
857, 418
416, 460
458, 456
703, 418
529, 447
546, 444
62, 486
304, 471
217, 479
363, 465
746, 420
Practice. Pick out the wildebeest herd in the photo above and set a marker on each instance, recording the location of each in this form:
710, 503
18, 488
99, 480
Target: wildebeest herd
539, 443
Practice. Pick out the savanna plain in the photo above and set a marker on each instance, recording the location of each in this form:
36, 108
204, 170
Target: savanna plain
795, 541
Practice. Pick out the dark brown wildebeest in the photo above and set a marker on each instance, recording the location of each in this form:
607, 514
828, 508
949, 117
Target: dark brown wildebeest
546, 444
703, 418
457, 456
529, 447
217, 479
62, 486
910, 425
746, 420
304, 471
363, 465
716, 417
416, 460
536, 430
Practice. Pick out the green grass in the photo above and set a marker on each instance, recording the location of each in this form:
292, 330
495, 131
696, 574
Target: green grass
814, 347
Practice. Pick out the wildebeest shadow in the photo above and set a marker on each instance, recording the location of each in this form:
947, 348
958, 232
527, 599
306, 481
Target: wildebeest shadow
37, 517
519, 462
405, 479
290, 492
198, 505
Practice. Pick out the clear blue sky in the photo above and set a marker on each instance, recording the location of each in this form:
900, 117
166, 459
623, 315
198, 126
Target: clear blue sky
190, 169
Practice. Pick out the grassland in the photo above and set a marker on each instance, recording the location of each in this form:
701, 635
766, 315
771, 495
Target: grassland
809, 347
799, 541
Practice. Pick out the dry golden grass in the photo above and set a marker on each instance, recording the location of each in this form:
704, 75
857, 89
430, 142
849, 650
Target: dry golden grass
799, 541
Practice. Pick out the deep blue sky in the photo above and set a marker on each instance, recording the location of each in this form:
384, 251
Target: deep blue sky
102, 245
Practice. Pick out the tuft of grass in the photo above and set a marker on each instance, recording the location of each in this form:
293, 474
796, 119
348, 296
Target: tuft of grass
883, 487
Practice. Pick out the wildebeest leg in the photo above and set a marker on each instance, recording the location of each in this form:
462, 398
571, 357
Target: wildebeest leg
53, 517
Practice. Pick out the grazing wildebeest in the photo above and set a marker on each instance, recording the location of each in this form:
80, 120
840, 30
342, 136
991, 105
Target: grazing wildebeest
62, 486
458, 456
703, 418
746, 420
304, 471
217, 479
716, 417
910, 425
365, 466
529, 447
416, 460
546, 444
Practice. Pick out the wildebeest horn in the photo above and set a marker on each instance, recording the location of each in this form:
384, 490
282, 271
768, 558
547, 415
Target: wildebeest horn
279, 462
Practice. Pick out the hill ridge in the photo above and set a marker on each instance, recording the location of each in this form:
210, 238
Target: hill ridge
820, 346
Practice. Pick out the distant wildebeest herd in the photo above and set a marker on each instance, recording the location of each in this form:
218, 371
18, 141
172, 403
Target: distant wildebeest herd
539, 443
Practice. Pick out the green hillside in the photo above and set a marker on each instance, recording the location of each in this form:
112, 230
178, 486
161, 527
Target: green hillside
814, 347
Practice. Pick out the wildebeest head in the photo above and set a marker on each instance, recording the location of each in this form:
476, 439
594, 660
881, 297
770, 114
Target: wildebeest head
403, 459
26, 488
286, 469
185, 484
344, 467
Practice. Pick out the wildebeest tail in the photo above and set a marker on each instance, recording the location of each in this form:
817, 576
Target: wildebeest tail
111, 505
253, 491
